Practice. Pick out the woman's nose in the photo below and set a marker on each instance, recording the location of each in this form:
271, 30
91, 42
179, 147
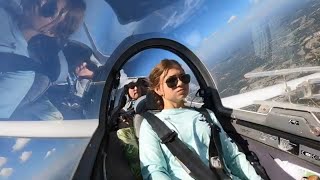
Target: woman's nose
180, 83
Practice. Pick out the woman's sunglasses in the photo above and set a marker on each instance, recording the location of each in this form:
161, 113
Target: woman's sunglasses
49, 9
172, 81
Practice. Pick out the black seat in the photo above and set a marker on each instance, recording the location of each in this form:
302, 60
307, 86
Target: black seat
143, 104
139, 107
117, 110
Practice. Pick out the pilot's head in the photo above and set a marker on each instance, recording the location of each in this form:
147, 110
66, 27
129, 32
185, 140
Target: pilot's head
134, 90
169, 83
59, 18
79, 57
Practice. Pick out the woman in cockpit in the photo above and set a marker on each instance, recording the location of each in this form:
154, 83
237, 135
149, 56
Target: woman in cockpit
19, 23
170, 85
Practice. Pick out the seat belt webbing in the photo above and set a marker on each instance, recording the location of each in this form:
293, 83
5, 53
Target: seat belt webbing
252, 158
215, 147
197, 169
12, 62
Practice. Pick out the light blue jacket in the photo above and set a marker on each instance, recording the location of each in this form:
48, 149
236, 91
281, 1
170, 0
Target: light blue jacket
157, 162
13, 85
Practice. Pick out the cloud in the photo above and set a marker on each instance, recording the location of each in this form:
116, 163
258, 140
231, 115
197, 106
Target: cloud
20, 144
193, 87
49, 153
212, 35
25, 156
194, 38
231, 19
123, 75
6, 172
124, 79
3, 161
64, 165
178, 17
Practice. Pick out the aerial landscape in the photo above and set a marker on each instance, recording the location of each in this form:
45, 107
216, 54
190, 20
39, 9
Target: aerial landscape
283, 40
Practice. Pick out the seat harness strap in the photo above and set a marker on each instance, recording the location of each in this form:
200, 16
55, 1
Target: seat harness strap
190, 161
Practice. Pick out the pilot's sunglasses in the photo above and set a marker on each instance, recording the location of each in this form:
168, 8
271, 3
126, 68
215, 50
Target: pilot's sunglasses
172, 81
132, 85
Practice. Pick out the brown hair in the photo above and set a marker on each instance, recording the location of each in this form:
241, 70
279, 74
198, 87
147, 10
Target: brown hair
74, 10
154, 77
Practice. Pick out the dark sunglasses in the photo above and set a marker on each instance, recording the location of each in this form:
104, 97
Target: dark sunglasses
172, 81
49, 9
132, 85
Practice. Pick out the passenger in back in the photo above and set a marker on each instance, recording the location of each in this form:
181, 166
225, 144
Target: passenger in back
126, 133
170, 86
133, 90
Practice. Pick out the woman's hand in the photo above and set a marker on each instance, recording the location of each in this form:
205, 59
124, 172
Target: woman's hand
83, 71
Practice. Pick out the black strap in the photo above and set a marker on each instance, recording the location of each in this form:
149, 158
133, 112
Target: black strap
251, 156
254, 160
215, 147
212, 148
197, 169
10, 62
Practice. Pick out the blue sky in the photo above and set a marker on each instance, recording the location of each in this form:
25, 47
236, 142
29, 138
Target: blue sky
200, 21
192, 32
27, 159
197, 28
147, 59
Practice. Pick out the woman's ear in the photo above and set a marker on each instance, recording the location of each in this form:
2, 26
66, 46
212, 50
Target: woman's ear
159, 91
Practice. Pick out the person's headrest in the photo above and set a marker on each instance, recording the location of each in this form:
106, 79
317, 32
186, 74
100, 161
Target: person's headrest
151, 102
140, 105
146, 102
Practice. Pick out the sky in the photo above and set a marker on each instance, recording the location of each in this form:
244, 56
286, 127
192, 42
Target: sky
192, 30
196, 23
24, 158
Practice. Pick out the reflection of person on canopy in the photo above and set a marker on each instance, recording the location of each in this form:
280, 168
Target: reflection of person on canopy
20, 24
82, 65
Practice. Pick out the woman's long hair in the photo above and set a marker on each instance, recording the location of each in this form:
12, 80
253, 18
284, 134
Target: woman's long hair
73, 18
154, 78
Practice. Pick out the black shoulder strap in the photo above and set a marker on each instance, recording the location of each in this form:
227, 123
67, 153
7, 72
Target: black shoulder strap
13, 62
251, 156
196, 168
212, 148
215, 147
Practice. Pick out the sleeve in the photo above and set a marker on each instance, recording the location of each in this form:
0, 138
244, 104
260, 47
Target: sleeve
235, 160
6, 31
152, 161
